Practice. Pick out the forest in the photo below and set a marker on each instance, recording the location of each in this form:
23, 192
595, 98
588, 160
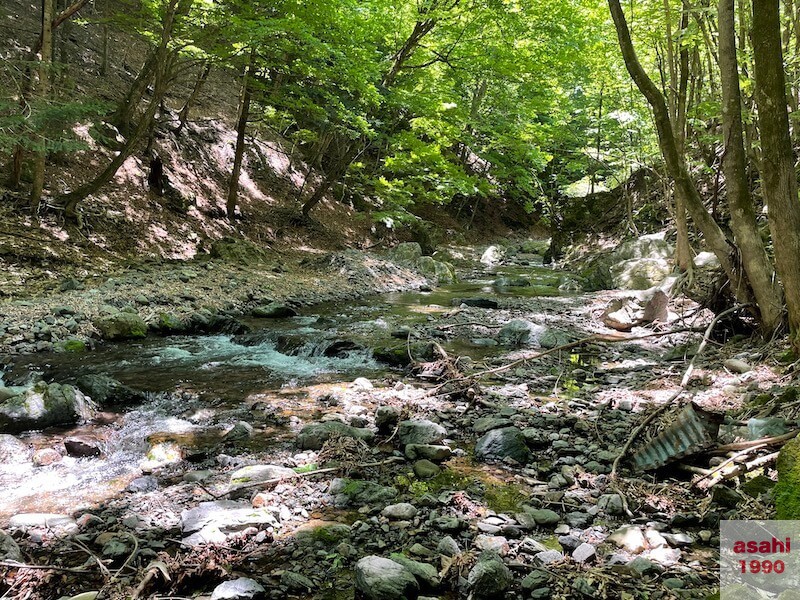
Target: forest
399, 299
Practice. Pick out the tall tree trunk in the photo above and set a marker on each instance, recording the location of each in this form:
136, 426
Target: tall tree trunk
779, 180
42, 91
123, 116
241, 129
675, 165
734, 164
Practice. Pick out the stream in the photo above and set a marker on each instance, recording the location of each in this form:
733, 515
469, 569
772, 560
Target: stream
198, 387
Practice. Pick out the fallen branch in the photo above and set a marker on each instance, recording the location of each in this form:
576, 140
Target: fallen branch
18, 565
770, 441
469, 324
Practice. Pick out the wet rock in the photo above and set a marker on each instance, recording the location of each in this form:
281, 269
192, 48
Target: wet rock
314, 435
420, 432
12, 450
400, 512
258, 473
121, 326
507, 442
82, 446
384, 579
9, 550
516, 333
360, 493
489, 578
46, 456
628, 537
10, 392
425, 469
274, 310
239, 432
386, 418
429, 452
439, 272
238, 589
44, 406
105, 390
476, 302
427, 575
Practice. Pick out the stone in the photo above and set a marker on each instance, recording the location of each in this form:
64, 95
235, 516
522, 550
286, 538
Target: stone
296, 582
492, 256
314, 435
437, 271
736, 365
611, 504
429, 452
544, 517
239, 432
406, 252
82, 446
495, 543
427, 575
489, 578
259, 473
448, 547
238, 589
274, 310
105, 390
641, 567
678, 539
380, 578
121, 326
515, 333
52, 521
9, 550
640, 273
361, 384
628, 537
476, 303
44, 406
226, 516
498, 444
386, 418
142, 485
360, 493
549, 556
46, 456
425, 469
420, 432
484, 424
12, 450
536, 579
584, 553
400, 512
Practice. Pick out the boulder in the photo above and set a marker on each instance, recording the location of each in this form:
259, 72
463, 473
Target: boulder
44, 406
314, 435
121, 326
489, 578
425, 469
238, 589
355, 492
506, 442
274, 310
379, 578
640, 273
516, 333
492, 256
107, 391
211, 521
427, 575
386, 418
431, 452
402, 511
441, 273
420, 431
82, 446
407, 252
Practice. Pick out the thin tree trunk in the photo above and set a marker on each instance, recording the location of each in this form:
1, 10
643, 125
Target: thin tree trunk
598, 139
123, 116
756, 264
241, 128
42, 91
778, 177
183, 116
683, 249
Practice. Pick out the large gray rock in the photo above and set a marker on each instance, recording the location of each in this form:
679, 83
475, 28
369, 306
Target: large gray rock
105, 390
9, 550
407, 252
121, 326
420, 432
441, 273
238, 589
431, 452
274, 310
258, 473
314, 435
426, 574
209, 522
44, 406
492, 256
12, 450
383, 579
507, 442
640, 273
516, 333
489, 578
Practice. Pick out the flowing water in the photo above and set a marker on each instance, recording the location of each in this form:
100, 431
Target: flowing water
192, 381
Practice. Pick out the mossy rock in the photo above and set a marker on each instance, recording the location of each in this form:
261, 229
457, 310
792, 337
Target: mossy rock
398, 356
121, 326
169, 323
441, 273
71, 345
787, 490
231, 249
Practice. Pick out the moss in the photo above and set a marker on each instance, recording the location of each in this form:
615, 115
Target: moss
505, 498
73, 345
787, 491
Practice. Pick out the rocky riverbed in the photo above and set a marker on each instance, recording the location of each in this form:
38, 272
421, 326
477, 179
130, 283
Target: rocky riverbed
440, 471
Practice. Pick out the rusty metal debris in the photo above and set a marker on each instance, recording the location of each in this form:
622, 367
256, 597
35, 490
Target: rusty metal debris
687, 432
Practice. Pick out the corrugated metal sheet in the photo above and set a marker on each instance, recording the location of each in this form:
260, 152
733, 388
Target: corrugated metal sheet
691, 430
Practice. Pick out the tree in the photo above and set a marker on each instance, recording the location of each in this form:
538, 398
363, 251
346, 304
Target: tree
42, 91
778, 176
